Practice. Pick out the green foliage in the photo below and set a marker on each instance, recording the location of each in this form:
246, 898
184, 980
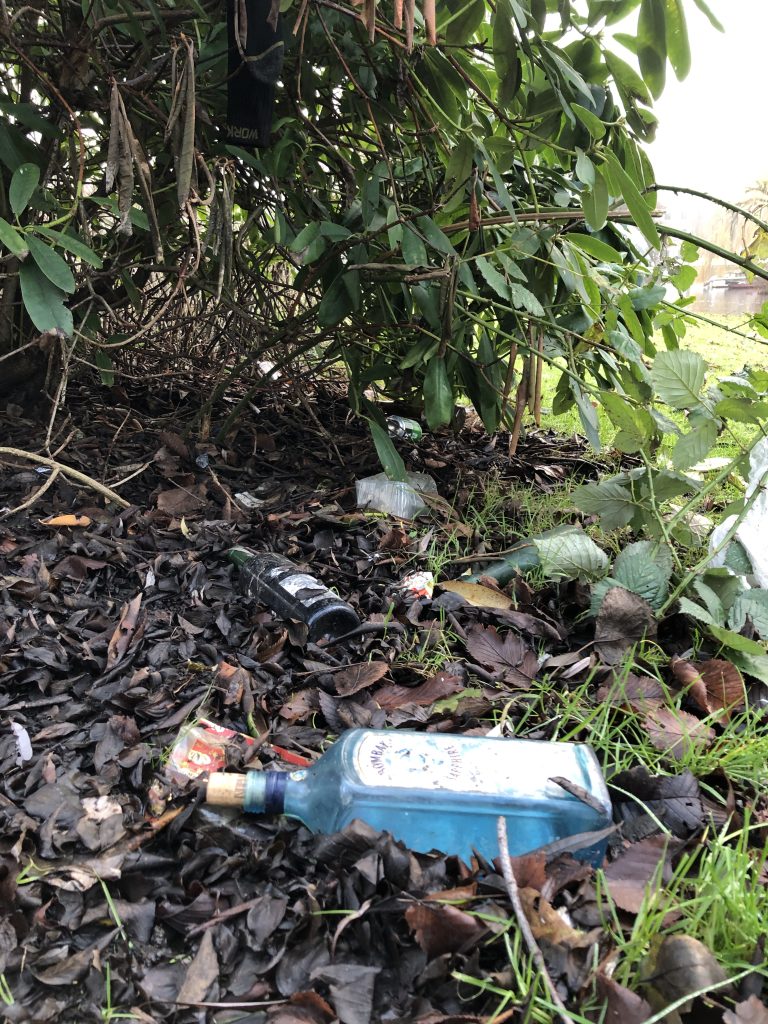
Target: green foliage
408, 217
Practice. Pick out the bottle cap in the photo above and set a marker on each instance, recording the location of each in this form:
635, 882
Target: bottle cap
225, 789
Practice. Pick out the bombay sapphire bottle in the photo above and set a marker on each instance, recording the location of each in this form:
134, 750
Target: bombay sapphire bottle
436, 791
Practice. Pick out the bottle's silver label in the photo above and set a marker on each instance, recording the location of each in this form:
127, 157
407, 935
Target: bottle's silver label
301, 581
466, 765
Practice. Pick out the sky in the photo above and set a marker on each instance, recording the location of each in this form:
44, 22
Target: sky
712, 131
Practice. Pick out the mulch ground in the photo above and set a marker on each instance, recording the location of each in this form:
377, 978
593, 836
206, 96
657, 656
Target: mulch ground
121, 891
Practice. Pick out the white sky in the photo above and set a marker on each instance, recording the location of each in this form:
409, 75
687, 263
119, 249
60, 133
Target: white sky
712, 131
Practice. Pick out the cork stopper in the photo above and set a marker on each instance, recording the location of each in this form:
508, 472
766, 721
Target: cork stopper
225, 789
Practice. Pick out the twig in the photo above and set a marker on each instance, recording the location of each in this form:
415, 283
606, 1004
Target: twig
68, 471
38, 494
522, 921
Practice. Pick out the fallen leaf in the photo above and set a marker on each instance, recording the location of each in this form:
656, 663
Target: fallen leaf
201, 973
443, 929
546, 923
477, 595
676, 732
358, 677
67, 519
126, 627
714, 686
643, 866
673, 800
751, 1011
509, 655
680, 966
235, 681
180, 501
441, 685
632, 691
621, 1005
75, 567
623, 620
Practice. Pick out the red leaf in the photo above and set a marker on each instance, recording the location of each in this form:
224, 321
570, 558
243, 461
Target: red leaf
509, 655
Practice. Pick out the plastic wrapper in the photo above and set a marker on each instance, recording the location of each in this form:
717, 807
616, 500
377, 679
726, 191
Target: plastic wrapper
751, 532
402, 498
202, 748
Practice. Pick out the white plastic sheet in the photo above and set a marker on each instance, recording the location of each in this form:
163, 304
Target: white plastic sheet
752, 532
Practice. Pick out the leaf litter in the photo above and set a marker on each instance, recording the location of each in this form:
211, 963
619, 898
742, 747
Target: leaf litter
119, 631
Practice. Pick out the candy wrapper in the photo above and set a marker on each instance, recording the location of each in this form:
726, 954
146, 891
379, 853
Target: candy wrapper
417, 584
202, 748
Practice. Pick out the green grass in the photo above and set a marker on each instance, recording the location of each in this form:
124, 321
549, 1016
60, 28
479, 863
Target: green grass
725, 351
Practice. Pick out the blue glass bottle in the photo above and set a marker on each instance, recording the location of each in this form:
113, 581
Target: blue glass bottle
436, 791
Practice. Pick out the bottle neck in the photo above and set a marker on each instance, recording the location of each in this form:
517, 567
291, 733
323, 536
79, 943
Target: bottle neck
265, 792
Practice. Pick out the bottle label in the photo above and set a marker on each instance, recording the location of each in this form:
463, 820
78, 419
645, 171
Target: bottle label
296, 582
465, 764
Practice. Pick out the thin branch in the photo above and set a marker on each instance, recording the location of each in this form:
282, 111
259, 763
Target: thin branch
522, 920
68, 471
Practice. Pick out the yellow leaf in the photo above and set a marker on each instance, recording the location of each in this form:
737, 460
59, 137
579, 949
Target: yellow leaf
477, 595
184, 528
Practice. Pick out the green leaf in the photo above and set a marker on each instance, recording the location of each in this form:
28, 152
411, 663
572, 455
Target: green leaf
743, 410
678, 47
436, 238
52, 265
571, 555
23, 184
627, 78
12, 240
636, 205
595, 247
389, 456
492, 277
438, 394
651, 50
106, 368
591, 122
636, 426
704, 8
684, 278
307, 234
695, 445
522, 298
752, 604
688, 607
595, 202
414, 252
735, 641
611, 500
43, 301
335, 304
755, 665
678, 377
585, 169
645, 568
72, 244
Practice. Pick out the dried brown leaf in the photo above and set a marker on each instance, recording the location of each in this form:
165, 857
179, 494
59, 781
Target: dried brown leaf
633, 691
545, 921
125, 631
621, 1005
751, 1011
644, 864
443, 929
509, 654
676, 732
442, 684
680, 966
623, 620
358, 677
714, 686
201, 973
